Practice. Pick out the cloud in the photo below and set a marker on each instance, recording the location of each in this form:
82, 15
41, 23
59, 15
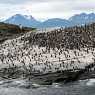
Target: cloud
43, 9
33, 1
20, 1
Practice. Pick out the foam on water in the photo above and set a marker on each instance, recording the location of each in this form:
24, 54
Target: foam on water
90, 82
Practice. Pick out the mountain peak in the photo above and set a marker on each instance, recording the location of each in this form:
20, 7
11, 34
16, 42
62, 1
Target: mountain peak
83, 14
28, 20
17, 15
24, 20
28, 16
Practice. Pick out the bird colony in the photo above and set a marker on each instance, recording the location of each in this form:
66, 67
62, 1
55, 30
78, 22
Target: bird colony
19, 52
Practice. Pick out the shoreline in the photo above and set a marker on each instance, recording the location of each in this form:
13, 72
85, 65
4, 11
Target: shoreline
50, 78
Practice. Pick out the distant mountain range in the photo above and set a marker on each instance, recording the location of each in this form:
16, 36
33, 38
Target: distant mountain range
29, 21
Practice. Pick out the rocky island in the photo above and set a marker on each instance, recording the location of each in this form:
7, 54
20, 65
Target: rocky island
60, 55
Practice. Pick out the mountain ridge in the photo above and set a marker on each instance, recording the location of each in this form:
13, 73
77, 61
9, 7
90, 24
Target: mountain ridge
29, 21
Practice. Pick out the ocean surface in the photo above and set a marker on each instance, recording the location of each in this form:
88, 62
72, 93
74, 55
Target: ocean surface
23, 87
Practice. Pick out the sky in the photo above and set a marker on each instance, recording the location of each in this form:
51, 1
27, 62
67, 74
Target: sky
45, 9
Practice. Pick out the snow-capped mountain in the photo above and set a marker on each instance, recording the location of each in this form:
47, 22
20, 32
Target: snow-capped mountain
82, 18
29, 21
24, 20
